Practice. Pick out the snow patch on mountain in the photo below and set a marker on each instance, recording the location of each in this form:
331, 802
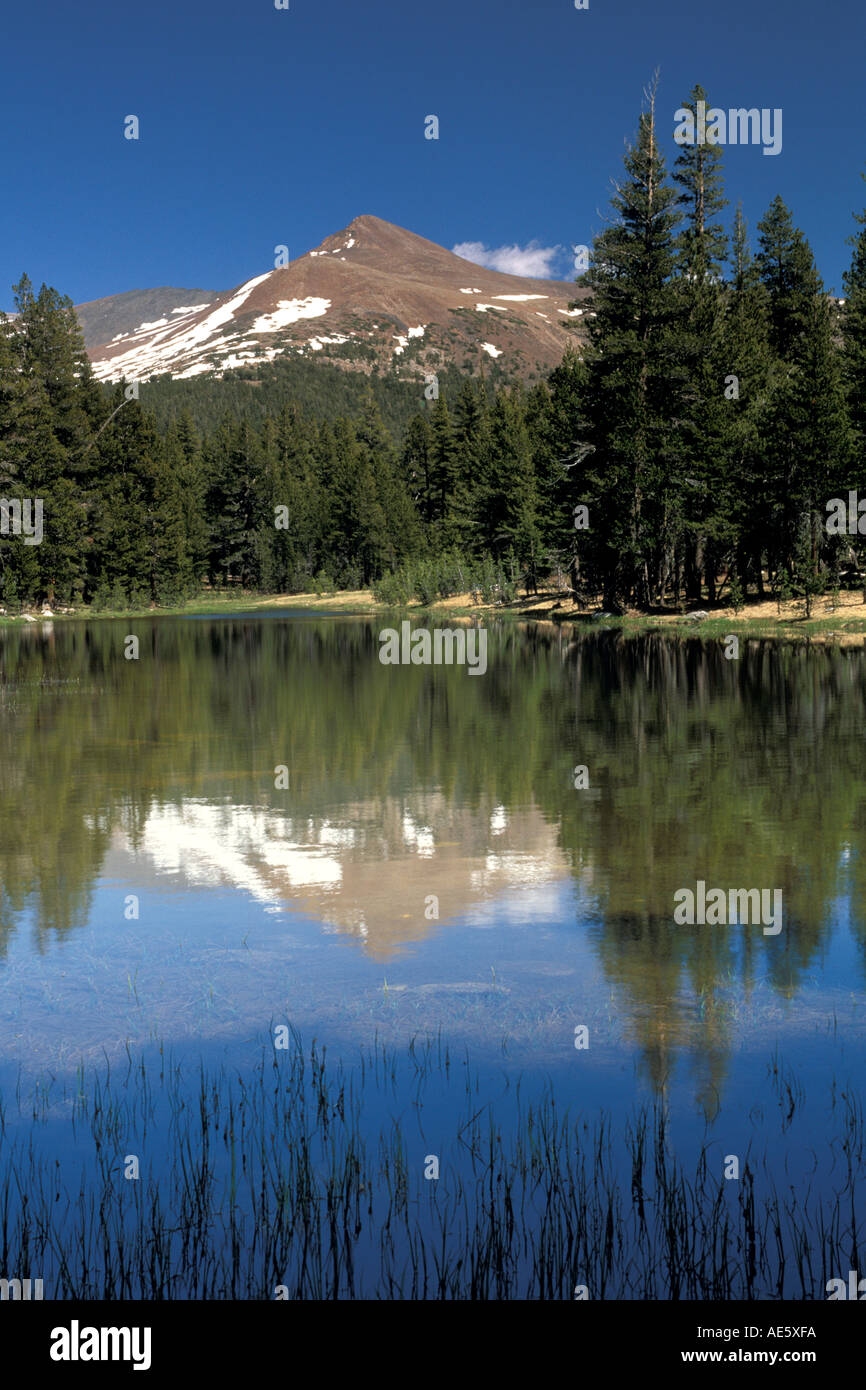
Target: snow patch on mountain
174, 344
195, 370
336, 250
318, 343
290, 311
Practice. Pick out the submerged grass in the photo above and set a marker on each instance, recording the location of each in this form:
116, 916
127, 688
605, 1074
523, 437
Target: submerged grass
307, 1177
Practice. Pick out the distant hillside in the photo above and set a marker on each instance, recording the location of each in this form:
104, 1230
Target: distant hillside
119, 315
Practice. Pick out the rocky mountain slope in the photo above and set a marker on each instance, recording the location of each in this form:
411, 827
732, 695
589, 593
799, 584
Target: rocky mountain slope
371, 295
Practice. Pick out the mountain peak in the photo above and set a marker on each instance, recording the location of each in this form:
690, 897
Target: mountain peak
371, 296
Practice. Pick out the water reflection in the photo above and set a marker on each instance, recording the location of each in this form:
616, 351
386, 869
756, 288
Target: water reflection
370, 876
417, 797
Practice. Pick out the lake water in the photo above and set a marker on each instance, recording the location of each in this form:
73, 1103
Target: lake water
426, 868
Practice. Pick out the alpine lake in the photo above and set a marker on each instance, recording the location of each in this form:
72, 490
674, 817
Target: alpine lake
322, 977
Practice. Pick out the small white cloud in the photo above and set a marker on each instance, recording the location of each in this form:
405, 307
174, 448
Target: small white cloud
533, 259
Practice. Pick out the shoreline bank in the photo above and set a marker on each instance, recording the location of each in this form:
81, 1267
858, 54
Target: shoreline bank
842, 620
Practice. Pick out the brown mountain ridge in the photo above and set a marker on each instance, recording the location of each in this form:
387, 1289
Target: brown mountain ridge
371, 295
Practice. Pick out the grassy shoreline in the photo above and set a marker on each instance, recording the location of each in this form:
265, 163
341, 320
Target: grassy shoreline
843, 622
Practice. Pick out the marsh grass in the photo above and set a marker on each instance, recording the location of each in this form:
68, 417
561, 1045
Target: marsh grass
304, 1173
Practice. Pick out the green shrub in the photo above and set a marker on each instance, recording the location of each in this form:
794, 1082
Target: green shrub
424, 586
101, 598
394, 589
488, 580
169, 594
782, 588
507, 587
139, 597
117, 598
452, 572
10, 594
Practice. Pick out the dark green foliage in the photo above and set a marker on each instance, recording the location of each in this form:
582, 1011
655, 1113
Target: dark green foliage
325, 391
445, 575
808, 440
854, 333
633, 385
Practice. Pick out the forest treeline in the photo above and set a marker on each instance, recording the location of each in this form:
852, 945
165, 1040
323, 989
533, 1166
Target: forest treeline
688, 452
328, 392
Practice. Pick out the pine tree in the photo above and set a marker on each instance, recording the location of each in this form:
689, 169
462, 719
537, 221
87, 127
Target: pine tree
508, 505
287, 444
53, 356
59, 411
136, 513
171, 576
700, 250
326, 470
445, 529
183, 453
630, 398
238, 504
346, 496
14, 433
401, 532
416, 465
742, 479
854, 333
788, 272
562, 466
807, 444
473, 462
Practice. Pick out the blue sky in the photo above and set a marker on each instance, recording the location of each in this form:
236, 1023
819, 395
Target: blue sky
261, 127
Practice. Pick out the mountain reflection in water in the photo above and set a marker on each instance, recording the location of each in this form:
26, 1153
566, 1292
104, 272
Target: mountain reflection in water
431, 828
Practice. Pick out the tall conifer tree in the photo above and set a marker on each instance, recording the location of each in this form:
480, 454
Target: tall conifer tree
631, 396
